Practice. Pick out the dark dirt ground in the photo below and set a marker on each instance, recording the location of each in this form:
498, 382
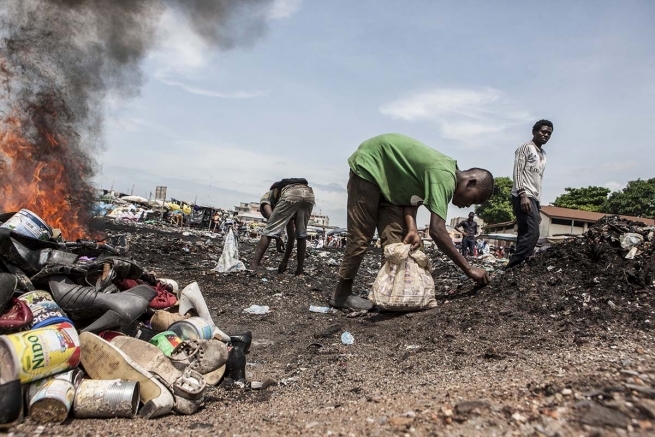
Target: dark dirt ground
560, 346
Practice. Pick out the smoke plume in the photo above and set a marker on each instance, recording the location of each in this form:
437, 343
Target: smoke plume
59, 59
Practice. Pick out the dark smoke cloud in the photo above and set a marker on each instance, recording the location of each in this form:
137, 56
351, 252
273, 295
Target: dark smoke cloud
60, 58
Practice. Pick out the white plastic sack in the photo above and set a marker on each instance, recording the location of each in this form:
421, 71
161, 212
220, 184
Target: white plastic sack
630, 240
404, 283
229, 261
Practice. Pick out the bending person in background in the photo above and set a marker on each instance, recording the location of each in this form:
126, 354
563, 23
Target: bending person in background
288, 204
529, 166
390, 176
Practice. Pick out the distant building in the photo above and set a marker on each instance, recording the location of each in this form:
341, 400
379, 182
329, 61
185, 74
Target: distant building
247, 208
319, 220
249, 212
556, 222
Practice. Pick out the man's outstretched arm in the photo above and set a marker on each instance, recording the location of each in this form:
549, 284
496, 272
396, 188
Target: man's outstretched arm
440, 236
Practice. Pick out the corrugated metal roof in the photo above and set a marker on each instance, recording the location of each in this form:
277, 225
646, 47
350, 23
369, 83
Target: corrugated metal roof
588, 216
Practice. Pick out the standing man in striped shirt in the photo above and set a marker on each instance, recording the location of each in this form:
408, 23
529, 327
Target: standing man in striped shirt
529, 166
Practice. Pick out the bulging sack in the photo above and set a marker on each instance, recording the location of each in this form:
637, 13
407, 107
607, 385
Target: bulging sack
229, 260
404, 283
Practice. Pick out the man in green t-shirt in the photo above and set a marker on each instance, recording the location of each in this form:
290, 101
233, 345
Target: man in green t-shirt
390, 177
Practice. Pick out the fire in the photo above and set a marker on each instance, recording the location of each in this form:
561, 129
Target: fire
32, 177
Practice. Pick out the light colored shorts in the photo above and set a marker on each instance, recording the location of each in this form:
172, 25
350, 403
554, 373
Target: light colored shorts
296, 202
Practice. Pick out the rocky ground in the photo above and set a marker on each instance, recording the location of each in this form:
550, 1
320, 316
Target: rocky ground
560, 346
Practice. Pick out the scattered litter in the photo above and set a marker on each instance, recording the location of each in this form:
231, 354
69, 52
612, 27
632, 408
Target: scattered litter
287, 381
257, 309
317, 309
632, 253
347, 338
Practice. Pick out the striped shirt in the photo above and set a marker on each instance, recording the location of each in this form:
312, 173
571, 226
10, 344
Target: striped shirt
529, 166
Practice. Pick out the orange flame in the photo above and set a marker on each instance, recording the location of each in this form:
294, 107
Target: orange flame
41, 186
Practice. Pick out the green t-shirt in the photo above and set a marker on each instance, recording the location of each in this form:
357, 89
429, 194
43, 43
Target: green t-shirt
407, 171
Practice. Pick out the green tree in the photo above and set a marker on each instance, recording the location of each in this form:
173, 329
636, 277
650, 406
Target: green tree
498, 208
636, 199
586, 199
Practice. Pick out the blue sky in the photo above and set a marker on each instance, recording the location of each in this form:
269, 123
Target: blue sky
468, 78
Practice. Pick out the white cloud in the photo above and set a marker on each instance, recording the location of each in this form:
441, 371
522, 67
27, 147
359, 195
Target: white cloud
181, 50
210, 93
462, 114
614, 186
281, 9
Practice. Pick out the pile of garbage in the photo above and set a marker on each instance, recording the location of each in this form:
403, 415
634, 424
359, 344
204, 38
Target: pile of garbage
88, 332
603, 275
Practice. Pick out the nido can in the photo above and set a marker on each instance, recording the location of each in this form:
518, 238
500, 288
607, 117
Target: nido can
166, 341
43, 352
193, 328
45, 310
25, 222
52, 402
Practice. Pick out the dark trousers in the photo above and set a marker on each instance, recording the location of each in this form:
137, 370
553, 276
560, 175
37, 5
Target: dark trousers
528, 233
468, 245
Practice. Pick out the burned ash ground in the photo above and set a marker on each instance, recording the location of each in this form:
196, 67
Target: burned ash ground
562, 345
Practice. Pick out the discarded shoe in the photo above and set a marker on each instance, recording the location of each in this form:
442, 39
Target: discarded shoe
214, 377
187, 384
352, 302
103, 360
164, 298
241, 341
161, 320
235, 367
171, 283
138, 330
26, 253
8, 284
16, 316
203, 356
120, 269
120, 309
191, 298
